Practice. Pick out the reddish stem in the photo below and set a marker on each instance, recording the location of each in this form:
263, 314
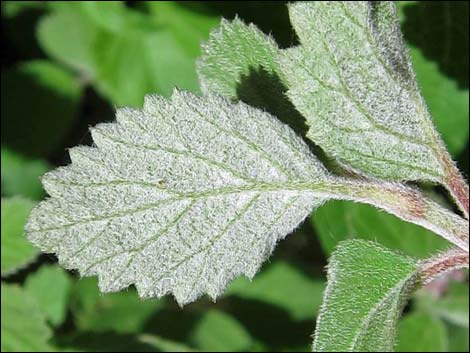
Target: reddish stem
435, 267
457, 186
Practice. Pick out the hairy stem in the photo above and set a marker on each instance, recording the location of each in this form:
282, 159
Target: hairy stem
457, 187
408, 204
400, 200
443, 263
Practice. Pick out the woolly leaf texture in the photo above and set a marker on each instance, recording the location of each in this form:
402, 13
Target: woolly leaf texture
179, 197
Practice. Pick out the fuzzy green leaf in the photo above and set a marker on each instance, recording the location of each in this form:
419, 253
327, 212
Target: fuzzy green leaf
241, 62
232, 51
352, 80
367, 288
180, 197
17, 252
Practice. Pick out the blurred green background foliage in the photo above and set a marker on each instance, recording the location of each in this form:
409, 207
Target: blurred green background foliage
67, 65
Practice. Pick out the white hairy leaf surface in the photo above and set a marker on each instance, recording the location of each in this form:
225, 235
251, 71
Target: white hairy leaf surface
368, 285
179, 197
351, 78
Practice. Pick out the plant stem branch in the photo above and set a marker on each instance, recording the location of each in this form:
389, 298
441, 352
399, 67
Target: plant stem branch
458, 188
408, 204
448, 261
456, 185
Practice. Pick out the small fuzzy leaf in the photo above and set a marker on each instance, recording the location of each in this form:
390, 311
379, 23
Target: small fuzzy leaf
241, 62
232, 51
367, 288
352, 80
17, 252
180, 197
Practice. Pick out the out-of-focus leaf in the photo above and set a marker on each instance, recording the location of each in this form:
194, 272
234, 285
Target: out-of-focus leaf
188, 26
20, 175
130, 67
421, 332
89, 341
453, 307
447, 102
367, 288
68, 36
100, 313
39, 104
16, 251
109, 342
109, 15
340, 220
127, 54
163, 345
458, 338
50, 286
23, 326
13, 8
437, 34
285, 286
219, 332
439, 29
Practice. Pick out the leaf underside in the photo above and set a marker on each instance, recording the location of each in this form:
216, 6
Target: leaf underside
180, 197
367, 288
352, 80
